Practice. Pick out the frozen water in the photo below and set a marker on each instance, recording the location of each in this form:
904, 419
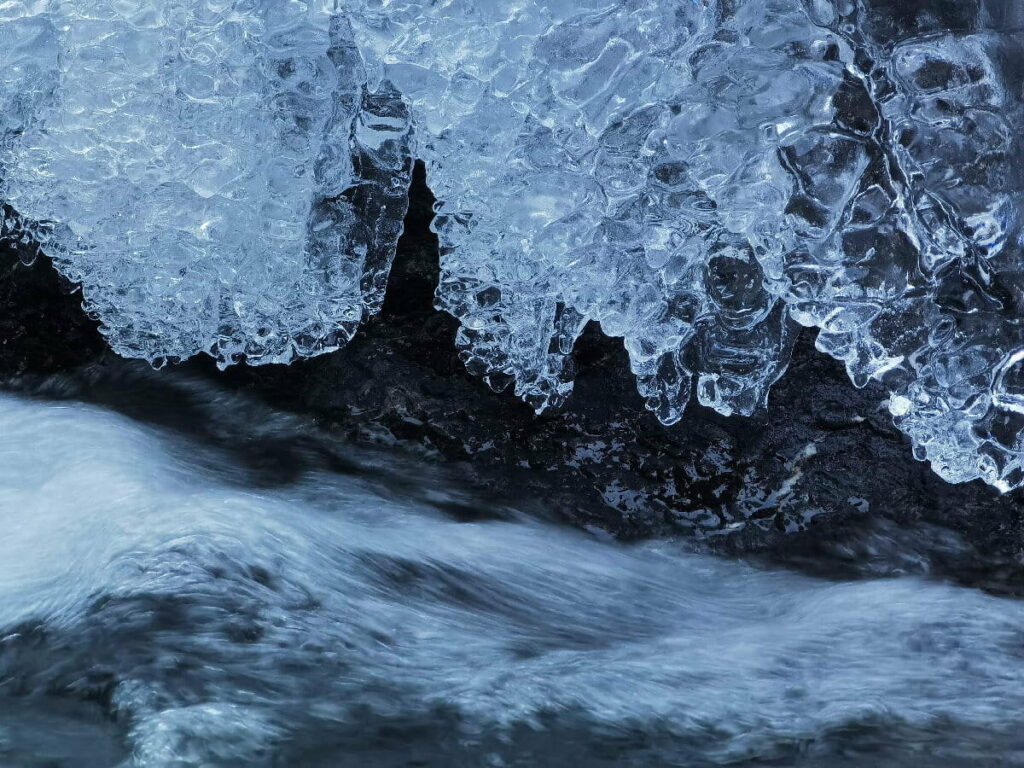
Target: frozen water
907, 212
698, 176
693, 175
215, 174
592, 163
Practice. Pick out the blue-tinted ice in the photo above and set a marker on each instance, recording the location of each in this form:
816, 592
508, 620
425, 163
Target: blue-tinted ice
698, 176
215, 174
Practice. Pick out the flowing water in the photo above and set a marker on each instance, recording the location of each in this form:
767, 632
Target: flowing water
159, 607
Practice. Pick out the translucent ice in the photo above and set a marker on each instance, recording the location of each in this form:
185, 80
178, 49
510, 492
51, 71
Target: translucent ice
215, 174
912, 267
577, 150
698, 176
694, 174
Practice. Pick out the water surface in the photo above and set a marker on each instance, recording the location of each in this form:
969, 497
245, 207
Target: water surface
159, 608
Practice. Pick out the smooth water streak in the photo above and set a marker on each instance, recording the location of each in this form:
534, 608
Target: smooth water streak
333, 622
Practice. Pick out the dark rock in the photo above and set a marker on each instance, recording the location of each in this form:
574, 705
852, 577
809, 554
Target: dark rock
808, 482
42, 326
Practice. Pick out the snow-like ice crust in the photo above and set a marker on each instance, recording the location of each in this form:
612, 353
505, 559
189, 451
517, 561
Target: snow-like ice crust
698, 176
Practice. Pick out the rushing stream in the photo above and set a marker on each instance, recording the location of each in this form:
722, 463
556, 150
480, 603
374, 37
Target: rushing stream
159, 608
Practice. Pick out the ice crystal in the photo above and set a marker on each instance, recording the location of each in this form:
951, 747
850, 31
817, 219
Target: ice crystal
601, 161
694, 174
699, 177
214, 174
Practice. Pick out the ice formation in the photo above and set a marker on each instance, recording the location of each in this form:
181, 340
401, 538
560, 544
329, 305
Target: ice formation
919, 281
694, 174
594, 162
698, 176
214, 174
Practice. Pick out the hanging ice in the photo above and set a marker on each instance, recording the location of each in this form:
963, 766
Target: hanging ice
215, 174
683, 171
594, 161
698, 176
908, 218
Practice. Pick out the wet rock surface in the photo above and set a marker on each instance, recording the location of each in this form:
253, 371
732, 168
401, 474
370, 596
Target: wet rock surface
821, 477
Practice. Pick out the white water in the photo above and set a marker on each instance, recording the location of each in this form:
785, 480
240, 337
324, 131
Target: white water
156, 611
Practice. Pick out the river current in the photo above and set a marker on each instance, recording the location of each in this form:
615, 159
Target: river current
162, 607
